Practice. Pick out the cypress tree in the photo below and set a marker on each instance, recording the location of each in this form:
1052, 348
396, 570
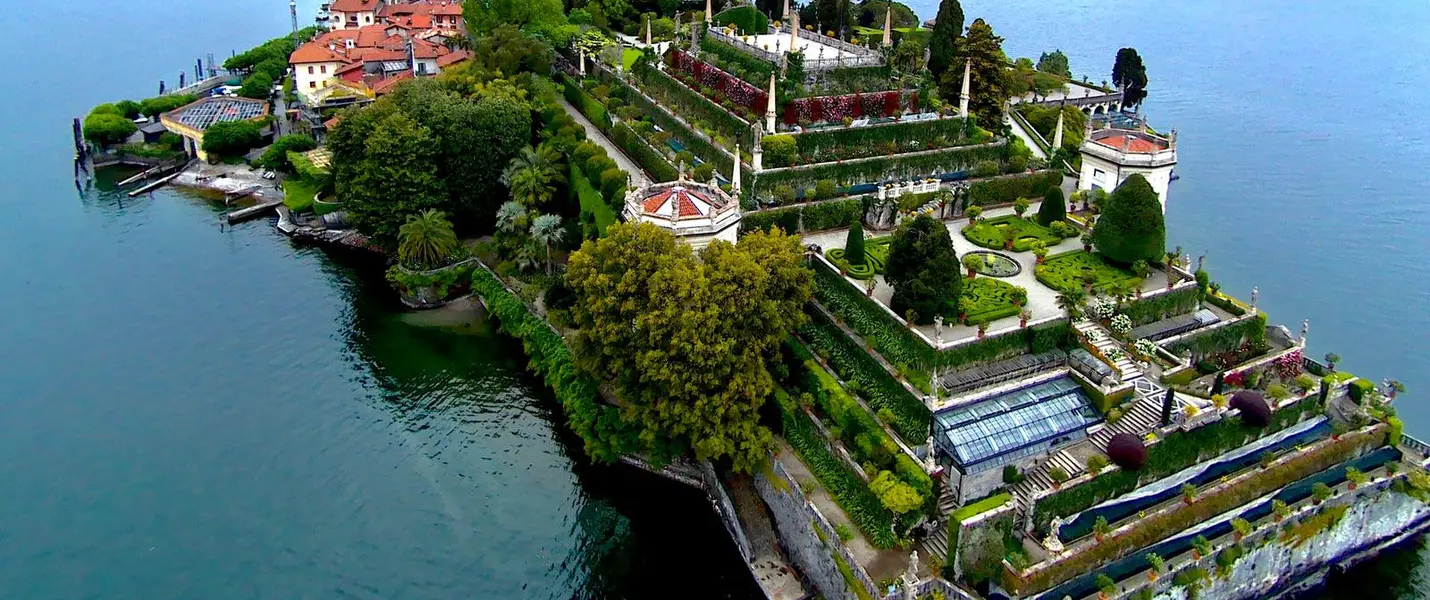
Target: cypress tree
854, 244
947, 27
1053, 209
1132, 227
923, 270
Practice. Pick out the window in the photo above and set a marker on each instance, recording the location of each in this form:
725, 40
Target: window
324, 69
310, 69
1099, 175
312, 84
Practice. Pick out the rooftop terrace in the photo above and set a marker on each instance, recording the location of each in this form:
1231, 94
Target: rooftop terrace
203, 113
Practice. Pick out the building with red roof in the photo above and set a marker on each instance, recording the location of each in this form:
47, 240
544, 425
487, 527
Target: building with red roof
697, 213
1116, 152
401, 40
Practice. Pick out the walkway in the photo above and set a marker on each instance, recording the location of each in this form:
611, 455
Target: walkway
1027, 137
638, 177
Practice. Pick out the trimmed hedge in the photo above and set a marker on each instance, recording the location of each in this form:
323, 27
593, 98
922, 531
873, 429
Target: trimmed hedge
1223, 339
849, 491
1063, 272
697, 144
989, 300
593, 109
1163, 306
878, 169
1003, 190
786, 218
851, 142
748, 19
876, 256
832, 214
988, 234
736, 62
649, 159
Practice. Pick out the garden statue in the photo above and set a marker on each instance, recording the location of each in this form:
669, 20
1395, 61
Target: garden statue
938, 325
1202, 262
681, 169
1254, 293
1052, 543
1305, 328
911, 576
929, 463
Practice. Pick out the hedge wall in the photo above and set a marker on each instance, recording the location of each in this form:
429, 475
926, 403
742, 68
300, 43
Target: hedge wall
1163, 306
1013, 187
748, 19
906, 414
691, 104
652, 161
878, 169
818, 216
594, 110
841, 141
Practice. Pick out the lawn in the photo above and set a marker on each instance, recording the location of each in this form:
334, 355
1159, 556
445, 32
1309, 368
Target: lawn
591, 201
298, 194
1065, 272
989, 299
988, 233
876, 255
628, 57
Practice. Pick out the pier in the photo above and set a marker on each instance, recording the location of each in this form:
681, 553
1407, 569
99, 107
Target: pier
244, 214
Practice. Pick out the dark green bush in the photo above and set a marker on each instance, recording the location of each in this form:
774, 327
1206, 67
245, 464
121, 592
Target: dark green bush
832, 214
1007, 189
1132, 227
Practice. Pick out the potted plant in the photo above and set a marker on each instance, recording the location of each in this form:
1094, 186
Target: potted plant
963, 310
1008, 236
1100, 528
973, 212
1320, 492
1219, 401
1189, 493
1019, 296
1355, 477
1141, 268
1058, 475
972, 262
1087, 242
1088, 278
1155, 562
1281, 510
1240, 528
1201, 546
1020, 206
982, 329
1040, 250
1266, 459
1106, 586
910, 316
1023, 316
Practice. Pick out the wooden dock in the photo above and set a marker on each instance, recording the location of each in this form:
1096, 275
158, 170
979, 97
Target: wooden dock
152, 186
251, 212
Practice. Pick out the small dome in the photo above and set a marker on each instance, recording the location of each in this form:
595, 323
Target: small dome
1127, 451
1254, 410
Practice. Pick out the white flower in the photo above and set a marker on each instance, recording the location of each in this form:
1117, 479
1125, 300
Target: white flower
1121, 324
1146, 347
1103, 308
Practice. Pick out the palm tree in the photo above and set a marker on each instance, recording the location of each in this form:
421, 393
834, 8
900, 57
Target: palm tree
532, 186
1071, 301
546, 230
426, 239
544, 158
511, 217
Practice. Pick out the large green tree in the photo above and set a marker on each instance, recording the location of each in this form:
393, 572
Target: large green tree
231, 138
923, 270
396, 177
683, 340
1054, 207
988, 89
1055, 62
1130, 75
1132, 226
105, 128
426, 240
943, 44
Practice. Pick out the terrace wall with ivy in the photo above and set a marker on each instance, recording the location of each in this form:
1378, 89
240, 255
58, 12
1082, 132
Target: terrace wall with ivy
1001, 190
813, 216
697, 143
879, 168
846, 143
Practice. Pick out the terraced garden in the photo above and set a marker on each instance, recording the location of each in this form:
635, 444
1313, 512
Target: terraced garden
990, 233
985, 299
1069, 271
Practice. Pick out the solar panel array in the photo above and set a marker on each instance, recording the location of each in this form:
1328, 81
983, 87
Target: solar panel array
1002, 429
219, 109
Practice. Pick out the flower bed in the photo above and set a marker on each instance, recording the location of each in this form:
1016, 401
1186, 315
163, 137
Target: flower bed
1064, 272
707, 78
848, 490
834, 109
988, 233
897, 407
876, 256
690, 104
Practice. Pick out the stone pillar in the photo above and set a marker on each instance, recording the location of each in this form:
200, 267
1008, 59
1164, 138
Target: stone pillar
1058, 133
1255, 292
784, 16
963, 95
583, 62
757, 156
793, 30
647, 33
770, 107
735, 175
888, 26
709, 16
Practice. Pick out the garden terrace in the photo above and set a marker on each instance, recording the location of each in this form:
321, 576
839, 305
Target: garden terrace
731, 93
836, 109
1173, 326
812, 216
679, 135
821, 52
879, 169
1088, 555
691, 104
906, 413
844, 143
1065, 273
876, 256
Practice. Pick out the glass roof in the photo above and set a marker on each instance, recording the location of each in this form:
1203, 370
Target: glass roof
1002, 424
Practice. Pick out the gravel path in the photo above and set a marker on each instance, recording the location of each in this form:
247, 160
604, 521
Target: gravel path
638, 177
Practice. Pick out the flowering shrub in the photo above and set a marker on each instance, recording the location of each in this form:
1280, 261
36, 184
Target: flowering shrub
1121, 324
1289, 366
1235, 380
837, 108
1104, 308
726, 86
1146, 347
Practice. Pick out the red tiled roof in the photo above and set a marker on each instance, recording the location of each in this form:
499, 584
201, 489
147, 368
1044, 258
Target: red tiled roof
384, 86
371, 35
354, 5
314, 52
452, 58
1134, 144
353, 66
687, 202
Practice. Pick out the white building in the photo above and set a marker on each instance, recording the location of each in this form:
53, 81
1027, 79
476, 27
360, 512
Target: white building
351, 14
1111, 155
695, 212
315, 67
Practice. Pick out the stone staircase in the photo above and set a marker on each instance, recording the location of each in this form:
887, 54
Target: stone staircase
936, 544
1144, 415
1037, 480
1101, 339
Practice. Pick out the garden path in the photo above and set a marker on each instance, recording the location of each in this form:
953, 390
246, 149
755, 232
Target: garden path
638, 177
1027, 138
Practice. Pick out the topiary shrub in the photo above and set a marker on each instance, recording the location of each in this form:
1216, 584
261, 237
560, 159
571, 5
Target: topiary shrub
923, 270
854, 244
1053, 209
1132, 227
823, 188
1254, 410
780, 150
1127, 451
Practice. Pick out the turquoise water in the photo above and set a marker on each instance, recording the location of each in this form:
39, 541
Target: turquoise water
189, 411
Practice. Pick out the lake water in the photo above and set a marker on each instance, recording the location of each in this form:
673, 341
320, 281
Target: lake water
195, 411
